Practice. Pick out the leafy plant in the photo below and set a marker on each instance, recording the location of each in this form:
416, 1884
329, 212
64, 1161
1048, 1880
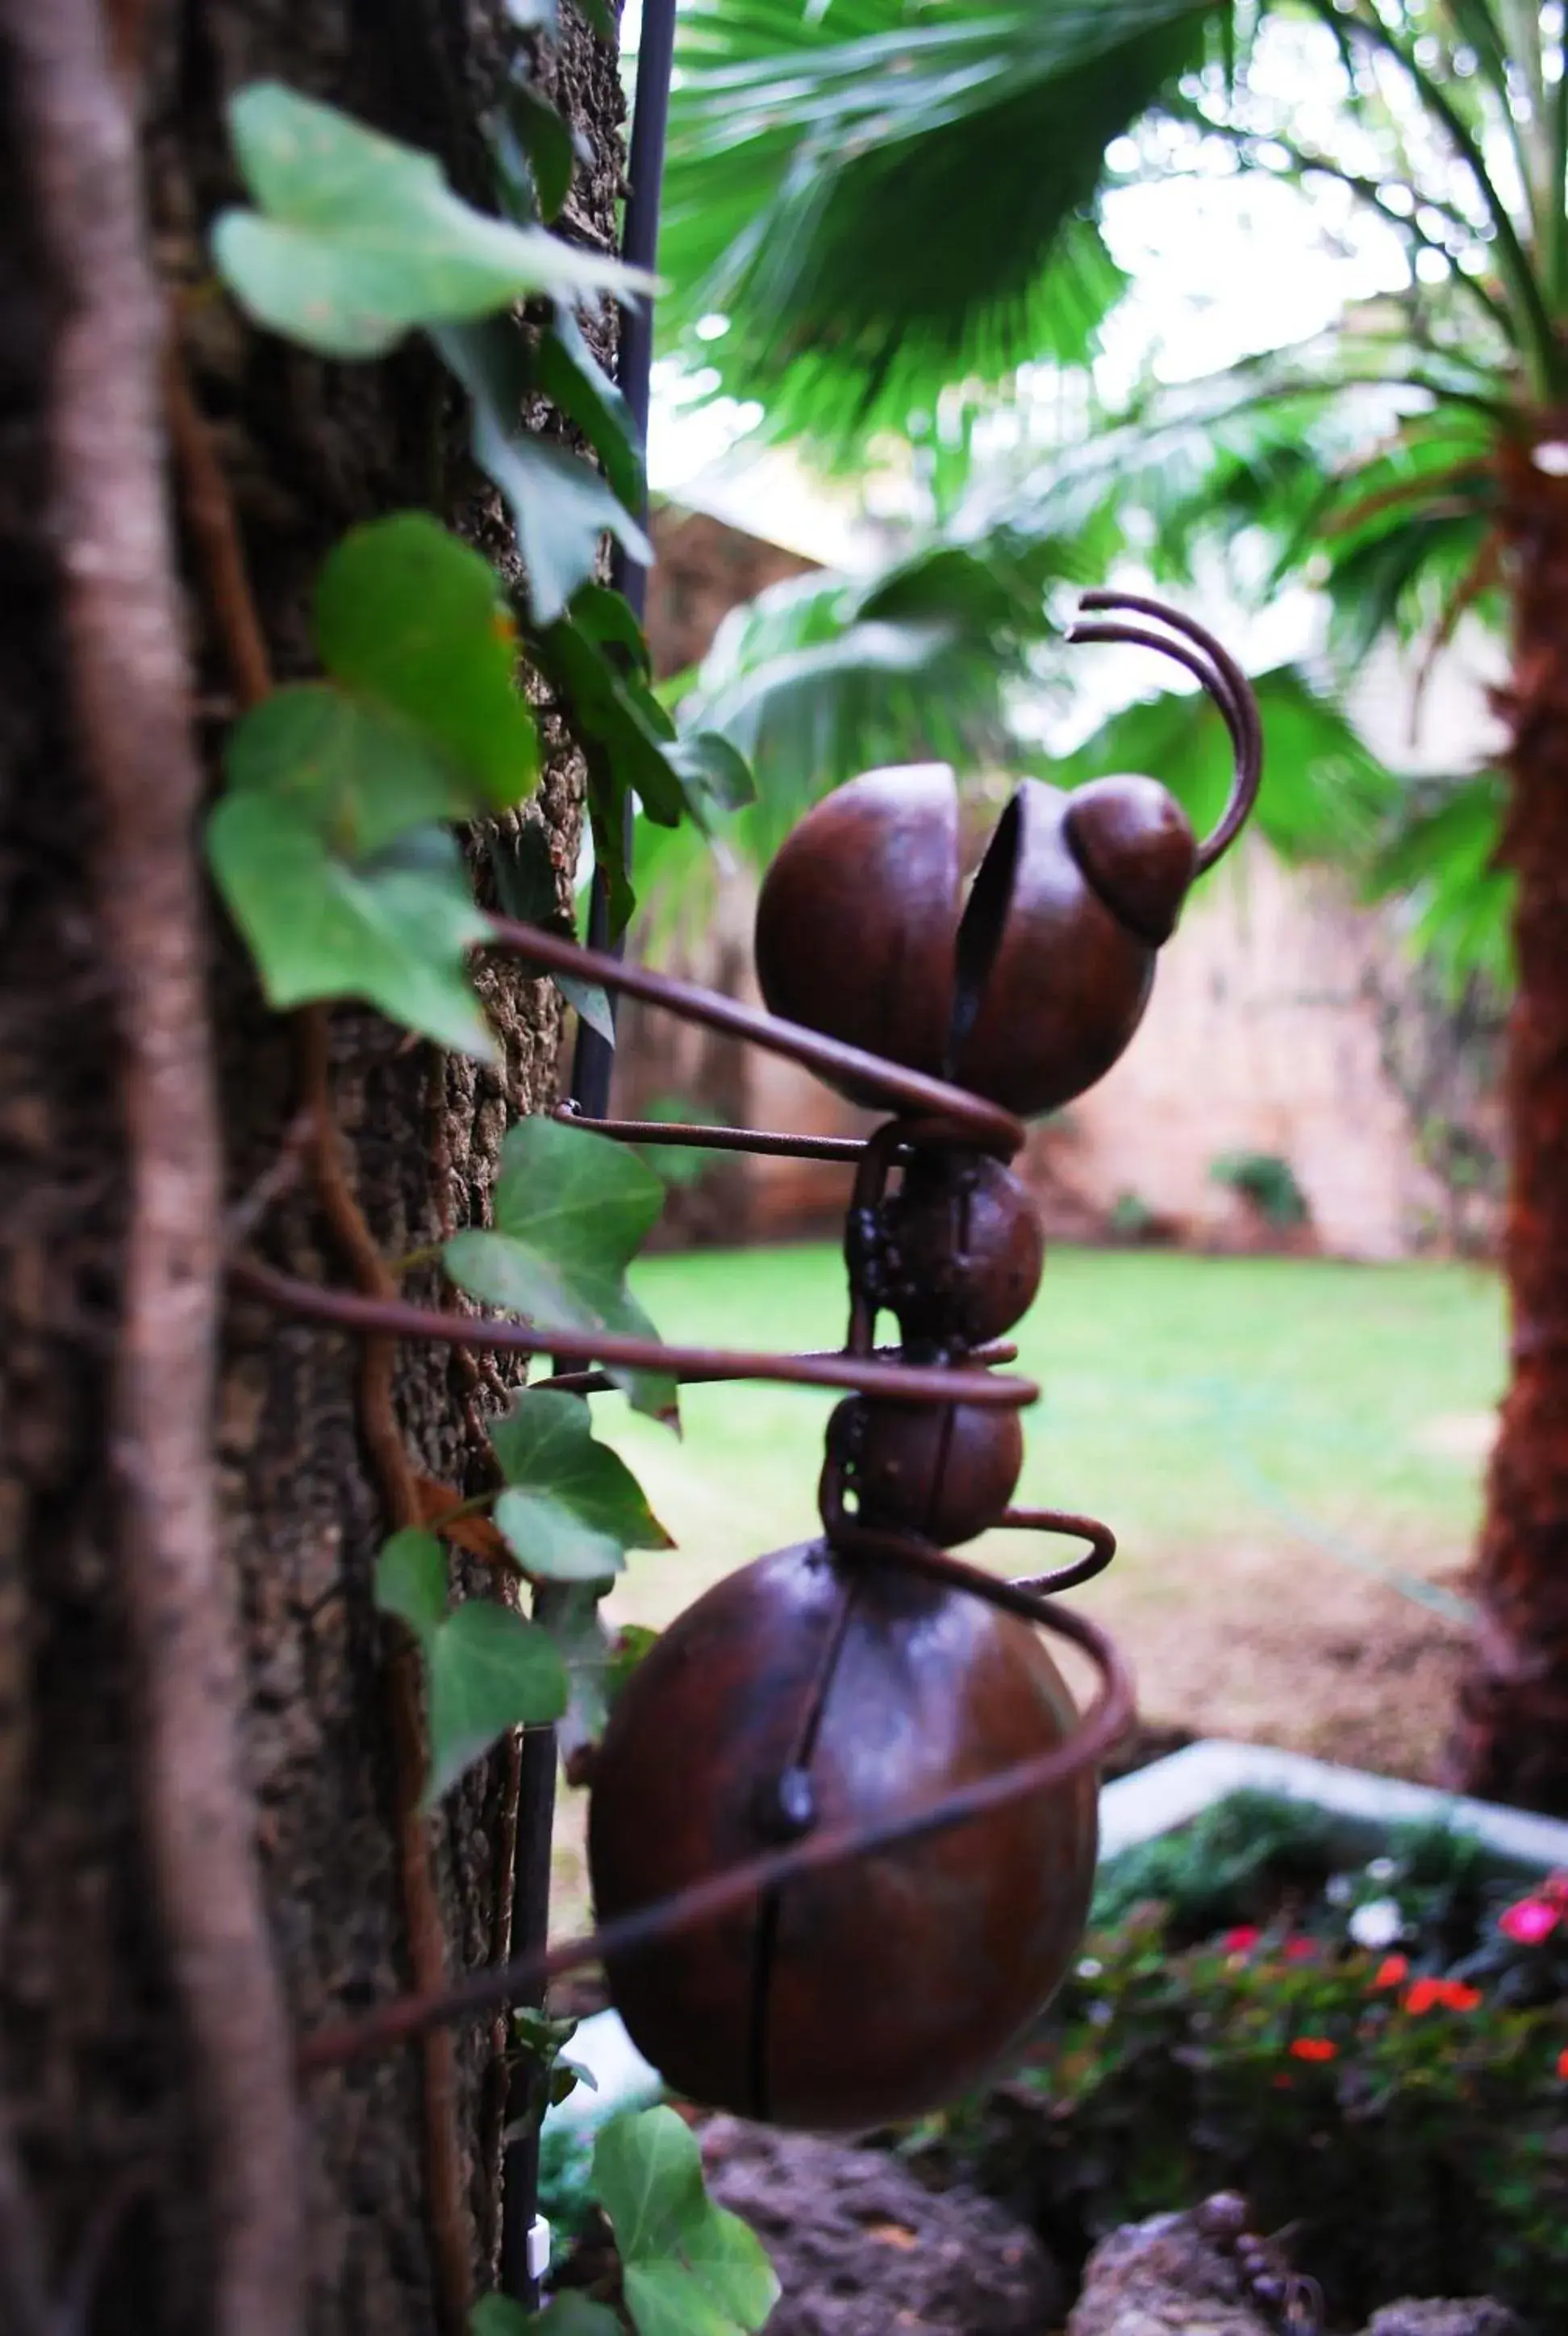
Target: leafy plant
1208, 1874
1130, 1218
324, 845
569, 1210
1407, 2118
687, 2267
1268, 1181
356, 241
332, 845
567, 1217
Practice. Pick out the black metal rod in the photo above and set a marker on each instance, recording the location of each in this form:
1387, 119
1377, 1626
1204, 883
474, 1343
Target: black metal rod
594, 1061
593, 1064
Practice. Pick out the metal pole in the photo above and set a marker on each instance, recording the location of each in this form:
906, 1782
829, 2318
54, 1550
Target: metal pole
523, 2240
594, 1059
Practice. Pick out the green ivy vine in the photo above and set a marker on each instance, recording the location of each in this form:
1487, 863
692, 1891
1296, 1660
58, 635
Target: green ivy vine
332, 846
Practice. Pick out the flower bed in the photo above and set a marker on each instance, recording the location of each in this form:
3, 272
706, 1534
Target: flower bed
1378, 2054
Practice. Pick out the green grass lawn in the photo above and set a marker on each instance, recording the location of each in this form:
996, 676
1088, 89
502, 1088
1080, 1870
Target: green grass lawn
1191, 1401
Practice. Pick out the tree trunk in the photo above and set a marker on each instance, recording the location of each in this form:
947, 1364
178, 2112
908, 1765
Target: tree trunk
107, 2169
1512, 1739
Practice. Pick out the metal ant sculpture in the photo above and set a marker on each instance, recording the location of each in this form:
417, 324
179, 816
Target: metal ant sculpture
868, 1672
843, 1823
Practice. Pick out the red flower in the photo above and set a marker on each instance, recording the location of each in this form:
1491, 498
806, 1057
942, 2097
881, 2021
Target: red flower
1300, 1951
1529, 1921
1242, 1940
1563, 2066
1451, 1993
1392, 1972
1314, 2048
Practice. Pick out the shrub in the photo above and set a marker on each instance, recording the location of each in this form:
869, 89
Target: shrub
1406, 2105
1268, 1181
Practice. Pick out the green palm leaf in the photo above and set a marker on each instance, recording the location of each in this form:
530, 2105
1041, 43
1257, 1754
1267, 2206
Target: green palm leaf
1439, 856
821, 677
883, 199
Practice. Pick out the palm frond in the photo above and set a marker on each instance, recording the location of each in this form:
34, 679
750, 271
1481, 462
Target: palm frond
1326, 795
1401, 531
1440, 858
821, 677
883, 199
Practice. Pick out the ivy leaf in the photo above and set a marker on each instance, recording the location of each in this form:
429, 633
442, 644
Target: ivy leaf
572, 1507
600, 15
394, 929
608, 618
566, 2076
616, 710
716, 775
357, 238
524, 878
573, 2315
410, 1582
569, 1612
360, 775
561, 507
411, 618
690, 2268
570, 2314
574, 381
571, 1211
501, 2315
596, 658
545, 140
490, 1670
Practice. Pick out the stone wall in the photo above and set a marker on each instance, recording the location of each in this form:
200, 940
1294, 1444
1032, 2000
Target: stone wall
702, 571
1265, 1035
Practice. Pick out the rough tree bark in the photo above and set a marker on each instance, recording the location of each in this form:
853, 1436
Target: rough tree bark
1512, 1738
97, 2101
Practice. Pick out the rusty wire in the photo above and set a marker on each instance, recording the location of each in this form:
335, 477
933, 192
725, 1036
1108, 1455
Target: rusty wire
761, 1143
975, 1121
915, 1383
1219, 673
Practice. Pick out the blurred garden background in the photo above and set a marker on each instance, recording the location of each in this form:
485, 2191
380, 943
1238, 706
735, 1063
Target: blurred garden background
971, 306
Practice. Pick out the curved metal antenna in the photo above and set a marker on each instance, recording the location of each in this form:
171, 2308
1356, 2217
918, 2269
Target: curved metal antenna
1218, 673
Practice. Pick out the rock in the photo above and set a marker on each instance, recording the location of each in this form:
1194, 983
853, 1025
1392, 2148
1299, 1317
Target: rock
1163, 2278
1475, 2315
862, 2249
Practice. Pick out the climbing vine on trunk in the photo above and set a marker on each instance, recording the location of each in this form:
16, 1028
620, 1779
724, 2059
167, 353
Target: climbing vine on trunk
333, 847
